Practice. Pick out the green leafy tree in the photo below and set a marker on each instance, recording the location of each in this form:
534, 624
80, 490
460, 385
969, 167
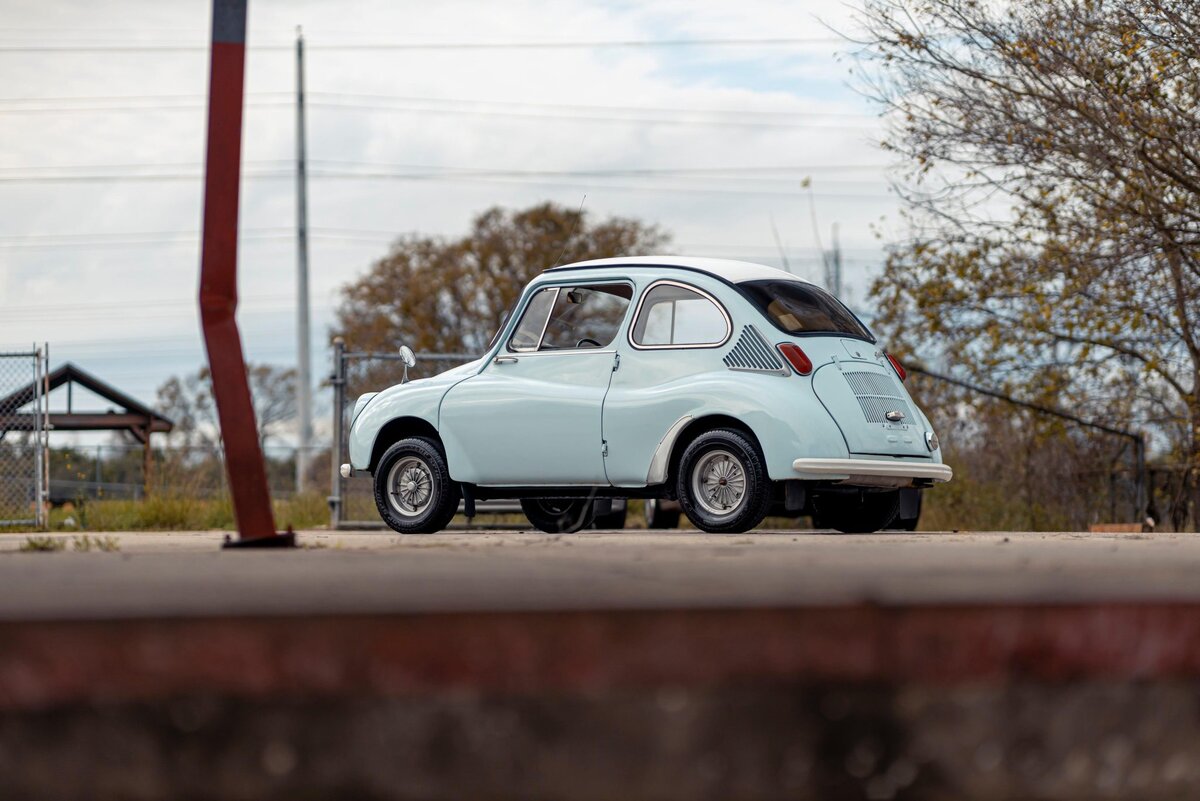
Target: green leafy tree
1050, 168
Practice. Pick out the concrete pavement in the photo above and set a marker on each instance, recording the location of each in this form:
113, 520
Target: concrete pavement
185, 574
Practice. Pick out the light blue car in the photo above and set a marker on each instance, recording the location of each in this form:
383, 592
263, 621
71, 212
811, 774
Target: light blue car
733, 388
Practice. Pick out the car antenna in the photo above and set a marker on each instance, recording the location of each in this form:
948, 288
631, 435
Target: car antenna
571, 233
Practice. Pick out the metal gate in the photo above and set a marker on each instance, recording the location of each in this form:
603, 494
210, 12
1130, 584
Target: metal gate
352, 501
24, 424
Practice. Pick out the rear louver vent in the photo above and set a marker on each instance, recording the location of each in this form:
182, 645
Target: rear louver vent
753, 352
877, 395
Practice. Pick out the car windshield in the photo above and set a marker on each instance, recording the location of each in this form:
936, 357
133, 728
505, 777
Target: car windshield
799, 308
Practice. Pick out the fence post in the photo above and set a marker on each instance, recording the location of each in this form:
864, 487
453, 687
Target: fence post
41, 435
1139, 491
338, 382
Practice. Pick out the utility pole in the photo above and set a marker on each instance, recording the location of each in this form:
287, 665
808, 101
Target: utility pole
833, 266
303, 377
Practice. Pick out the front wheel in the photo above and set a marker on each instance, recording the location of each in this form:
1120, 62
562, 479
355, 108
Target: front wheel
413, 489
559, 515
723, 486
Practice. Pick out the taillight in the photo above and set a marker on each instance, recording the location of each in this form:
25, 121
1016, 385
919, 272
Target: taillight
797, 358
898, 367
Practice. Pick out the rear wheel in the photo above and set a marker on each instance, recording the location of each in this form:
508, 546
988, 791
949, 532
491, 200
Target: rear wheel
614, 519
722, 483
559, 515
657, 516
859, 512
413, 489
908, 513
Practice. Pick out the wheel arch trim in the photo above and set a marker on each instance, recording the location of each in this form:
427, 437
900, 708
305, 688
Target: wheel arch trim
399, 428
660, 463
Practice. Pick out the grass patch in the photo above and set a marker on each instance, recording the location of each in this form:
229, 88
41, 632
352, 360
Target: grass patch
87, 543
42, 545
167, 511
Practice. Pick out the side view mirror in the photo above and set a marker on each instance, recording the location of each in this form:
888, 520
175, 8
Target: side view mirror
409, 358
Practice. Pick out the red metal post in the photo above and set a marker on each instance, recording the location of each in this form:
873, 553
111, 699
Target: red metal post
218, 275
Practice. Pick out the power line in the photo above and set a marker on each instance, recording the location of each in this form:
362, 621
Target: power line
199, 100
648, 120
621, 171
125, 47
595, 172
185, 165
403, 99
191, 97
726, 118
101, 236
451, 178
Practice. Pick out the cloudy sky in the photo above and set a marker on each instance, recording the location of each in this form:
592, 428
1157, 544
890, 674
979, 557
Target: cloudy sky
101, 147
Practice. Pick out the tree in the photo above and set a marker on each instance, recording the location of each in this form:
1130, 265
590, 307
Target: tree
1051, 175
450, 295
189, 403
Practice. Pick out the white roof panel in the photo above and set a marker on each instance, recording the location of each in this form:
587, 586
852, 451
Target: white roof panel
728, 269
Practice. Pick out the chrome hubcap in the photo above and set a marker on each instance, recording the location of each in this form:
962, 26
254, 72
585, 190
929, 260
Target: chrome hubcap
410, 486
719, 483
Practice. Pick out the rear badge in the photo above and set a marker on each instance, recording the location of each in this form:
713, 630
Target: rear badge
894, 416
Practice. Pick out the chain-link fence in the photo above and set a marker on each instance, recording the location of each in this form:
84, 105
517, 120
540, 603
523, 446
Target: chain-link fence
352, 502
113, 471
24, 419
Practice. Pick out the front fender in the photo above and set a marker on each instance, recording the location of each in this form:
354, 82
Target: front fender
420, 399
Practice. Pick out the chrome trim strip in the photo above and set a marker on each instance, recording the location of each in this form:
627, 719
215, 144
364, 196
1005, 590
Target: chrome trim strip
662, 454
533, 354
845, 468
638, 312
558, 287
509, 345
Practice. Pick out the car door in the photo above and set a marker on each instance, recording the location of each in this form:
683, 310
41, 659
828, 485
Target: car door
532, 416
666, 374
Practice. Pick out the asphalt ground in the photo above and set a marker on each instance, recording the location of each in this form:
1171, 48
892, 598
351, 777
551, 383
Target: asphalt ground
186, 574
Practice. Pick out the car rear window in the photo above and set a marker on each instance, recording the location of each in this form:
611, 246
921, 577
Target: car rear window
798, 308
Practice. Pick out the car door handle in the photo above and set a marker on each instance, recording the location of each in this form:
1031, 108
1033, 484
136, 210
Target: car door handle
505, 360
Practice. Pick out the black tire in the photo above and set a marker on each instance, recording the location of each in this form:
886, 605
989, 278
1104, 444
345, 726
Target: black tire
414, 508
730, 458
614, 519
559, 515
908, 514
855, 512
658, 517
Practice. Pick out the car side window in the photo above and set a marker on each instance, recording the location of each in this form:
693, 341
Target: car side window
569, 318
533, 322
587, 316
675, 316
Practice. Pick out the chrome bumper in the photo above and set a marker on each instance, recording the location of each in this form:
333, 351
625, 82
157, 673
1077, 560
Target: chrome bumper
871, 471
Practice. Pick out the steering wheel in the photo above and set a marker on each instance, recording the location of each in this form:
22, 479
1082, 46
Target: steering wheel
581, 342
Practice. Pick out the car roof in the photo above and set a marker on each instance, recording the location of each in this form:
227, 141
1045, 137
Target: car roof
726, 269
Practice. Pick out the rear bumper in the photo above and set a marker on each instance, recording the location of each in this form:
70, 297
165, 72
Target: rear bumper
871, 471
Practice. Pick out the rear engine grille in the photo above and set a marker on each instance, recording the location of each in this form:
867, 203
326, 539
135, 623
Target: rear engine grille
753, 352
878, 394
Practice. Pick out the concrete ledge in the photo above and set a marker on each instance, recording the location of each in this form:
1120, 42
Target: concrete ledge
863, 702
47, 664
827, 742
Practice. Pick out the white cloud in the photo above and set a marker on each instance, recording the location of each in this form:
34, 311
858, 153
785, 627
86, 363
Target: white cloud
105, 304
